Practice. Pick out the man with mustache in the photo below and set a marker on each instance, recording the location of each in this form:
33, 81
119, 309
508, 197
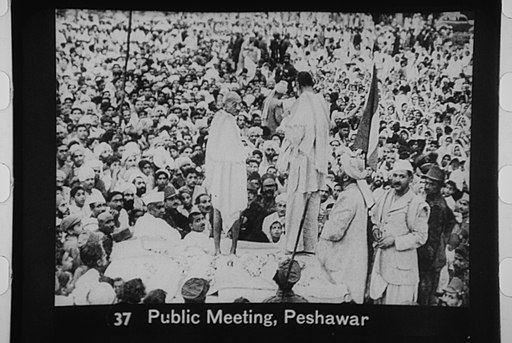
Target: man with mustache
400, 219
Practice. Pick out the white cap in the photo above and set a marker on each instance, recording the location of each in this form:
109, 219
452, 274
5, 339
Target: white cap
402, 165
153, 197
95, 198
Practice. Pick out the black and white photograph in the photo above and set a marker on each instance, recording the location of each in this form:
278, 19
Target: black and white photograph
263, 157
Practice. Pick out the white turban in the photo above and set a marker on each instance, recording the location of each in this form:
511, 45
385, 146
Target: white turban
102, 148
353, 166
85, 173
281, 87
282, 198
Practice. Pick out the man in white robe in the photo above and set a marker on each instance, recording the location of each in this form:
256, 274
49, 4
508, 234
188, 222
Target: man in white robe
151, 223
225, 171
304, 157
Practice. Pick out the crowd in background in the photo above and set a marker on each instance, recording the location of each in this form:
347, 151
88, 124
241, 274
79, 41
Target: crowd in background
119, 139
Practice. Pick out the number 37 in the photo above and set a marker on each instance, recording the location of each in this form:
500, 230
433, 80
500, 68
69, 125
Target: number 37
122, 318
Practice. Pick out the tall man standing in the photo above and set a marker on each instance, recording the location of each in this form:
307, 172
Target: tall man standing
401, 227
225, 171
432, 255
304, 157
342, 248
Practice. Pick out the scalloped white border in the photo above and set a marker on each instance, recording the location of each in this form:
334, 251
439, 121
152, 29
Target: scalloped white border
505, 159
6, 158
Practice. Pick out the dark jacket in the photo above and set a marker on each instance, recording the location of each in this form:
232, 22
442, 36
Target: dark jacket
432, 256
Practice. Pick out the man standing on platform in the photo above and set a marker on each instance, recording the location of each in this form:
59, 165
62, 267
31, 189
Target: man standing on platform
401, 227
304, 158
226, 175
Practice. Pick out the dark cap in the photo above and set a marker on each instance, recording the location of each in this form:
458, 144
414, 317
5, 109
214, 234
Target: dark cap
435, 173
70, 221
282, 271
169, 191
463, 250
195, 289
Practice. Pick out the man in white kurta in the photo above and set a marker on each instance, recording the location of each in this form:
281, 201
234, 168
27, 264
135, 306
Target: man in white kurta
225, 171
342, 248
401, 221
151, 223
304, 157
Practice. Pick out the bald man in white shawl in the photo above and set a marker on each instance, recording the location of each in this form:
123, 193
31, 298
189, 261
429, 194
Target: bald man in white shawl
304, 156
226, 174
342, 249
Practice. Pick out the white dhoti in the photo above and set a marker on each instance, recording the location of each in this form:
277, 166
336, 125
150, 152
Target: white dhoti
226, 174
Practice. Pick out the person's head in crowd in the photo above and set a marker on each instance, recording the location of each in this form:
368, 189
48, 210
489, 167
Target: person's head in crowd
256, 120
258, 155
62, 207
241, 300
146, 167
462, 205
185, 196
140, 185
268, 186
128, 196
445, 161
285, 283
60, 178
252, 165
434, 181
93, 255
281, 201
154, 202
195, 290
452, 295
461, 261
204, 203
97, 204
171, 198
191, 177
132, 292
162, 179
86, 176
276, 231
196, 220
155, 296
76, 114
115, 200
336, 190
82, 132
254, 134
241, 121
390, 159
401, 176
77, 153
62, 152
325, 193
106, 223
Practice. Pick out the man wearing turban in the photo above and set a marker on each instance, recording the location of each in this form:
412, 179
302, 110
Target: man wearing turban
342, 248
225, 171
272, 113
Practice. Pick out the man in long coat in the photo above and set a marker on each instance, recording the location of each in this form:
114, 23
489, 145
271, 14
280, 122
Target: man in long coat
304, 156
342, 248
401, 220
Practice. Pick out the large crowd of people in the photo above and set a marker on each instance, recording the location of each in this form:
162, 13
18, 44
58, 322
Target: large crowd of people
132, 137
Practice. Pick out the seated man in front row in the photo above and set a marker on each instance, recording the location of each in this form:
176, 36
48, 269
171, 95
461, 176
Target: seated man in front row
151, 223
